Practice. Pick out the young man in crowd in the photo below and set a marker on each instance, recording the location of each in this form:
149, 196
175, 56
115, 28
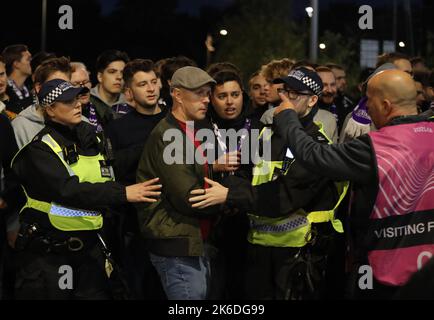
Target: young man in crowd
343, 102
17, 59
258, 88
128, 136
325, 117
107, 94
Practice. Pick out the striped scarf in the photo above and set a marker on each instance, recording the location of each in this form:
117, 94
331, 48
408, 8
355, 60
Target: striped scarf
21, 94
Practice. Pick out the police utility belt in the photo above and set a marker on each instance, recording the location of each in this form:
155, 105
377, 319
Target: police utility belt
31, 237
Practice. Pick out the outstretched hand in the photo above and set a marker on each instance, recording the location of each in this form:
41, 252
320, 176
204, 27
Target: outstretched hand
204, 198
284, 105
144, 192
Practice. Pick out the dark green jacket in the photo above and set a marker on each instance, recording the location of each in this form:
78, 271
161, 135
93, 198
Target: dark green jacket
171, 226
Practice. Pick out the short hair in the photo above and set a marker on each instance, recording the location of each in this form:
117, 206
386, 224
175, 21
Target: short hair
2, 59
224, 76
217, 67
304, 63
415, 60
323, 69
11, 54
159, 65
254, 75
391, 58
137, 65
40, 57
422, 77
50, 66
77, 65
332, 66
171, 65
277, 69
109, 56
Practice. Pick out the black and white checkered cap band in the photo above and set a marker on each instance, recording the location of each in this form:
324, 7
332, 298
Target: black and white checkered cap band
56, 93
312, 84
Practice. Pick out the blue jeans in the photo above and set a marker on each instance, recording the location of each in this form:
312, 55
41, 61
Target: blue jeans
183, 278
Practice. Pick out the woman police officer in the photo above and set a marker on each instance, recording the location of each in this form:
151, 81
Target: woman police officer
68, 183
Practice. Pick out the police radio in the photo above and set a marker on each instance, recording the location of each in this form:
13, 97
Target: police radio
106, 165
70, 154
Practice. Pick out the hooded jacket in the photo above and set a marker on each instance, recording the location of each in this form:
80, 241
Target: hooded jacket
104, 112
27, 125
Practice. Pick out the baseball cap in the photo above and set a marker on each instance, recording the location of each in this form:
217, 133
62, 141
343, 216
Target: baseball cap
302, 79
191, 78
58, 90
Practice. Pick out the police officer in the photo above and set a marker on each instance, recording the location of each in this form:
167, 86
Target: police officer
392, 170
292, 211
68, 184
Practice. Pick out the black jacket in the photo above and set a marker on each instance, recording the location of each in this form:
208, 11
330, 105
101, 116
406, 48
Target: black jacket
299, 188
128, 136
45, 178
11, 191
15, 104
354, 161
236, 124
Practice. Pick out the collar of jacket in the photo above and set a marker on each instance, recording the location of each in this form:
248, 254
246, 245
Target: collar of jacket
65, 131
406, 119
82, 135
95, 92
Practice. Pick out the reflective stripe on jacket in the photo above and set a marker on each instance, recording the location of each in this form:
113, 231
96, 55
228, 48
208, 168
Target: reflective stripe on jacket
87, 169
294, 230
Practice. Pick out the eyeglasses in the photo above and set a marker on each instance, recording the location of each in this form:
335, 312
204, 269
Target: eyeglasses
81, 84
71, 103
292, 94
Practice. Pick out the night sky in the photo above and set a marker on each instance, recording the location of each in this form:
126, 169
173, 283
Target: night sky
193, 7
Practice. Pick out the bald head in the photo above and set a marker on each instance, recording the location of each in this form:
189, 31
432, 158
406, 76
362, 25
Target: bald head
396, 86
391, 93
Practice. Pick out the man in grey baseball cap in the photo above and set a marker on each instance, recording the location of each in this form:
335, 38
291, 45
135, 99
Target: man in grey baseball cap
176, 233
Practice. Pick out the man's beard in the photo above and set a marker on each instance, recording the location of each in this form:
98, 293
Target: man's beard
328, 98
